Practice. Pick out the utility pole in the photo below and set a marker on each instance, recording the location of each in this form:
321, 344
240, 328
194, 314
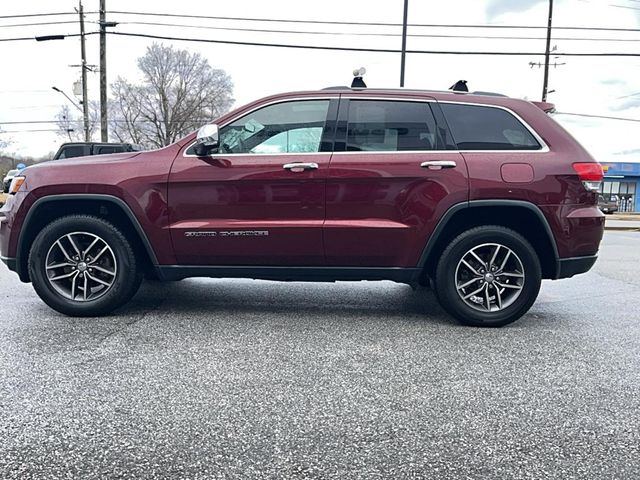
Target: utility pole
547, 52
104, 133
85, 103
404, 42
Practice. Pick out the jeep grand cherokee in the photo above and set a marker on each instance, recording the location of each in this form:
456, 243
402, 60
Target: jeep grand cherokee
479, 196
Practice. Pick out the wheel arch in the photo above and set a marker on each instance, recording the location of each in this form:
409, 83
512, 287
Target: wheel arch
521, 216
108, 207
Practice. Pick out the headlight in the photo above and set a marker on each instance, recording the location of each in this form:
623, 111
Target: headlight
16, 183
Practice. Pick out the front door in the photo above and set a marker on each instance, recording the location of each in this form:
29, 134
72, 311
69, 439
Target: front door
397, 173
261, 199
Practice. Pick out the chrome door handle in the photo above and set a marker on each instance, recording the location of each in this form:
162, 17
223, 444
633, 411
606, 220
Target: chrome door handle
300, 166
438, 164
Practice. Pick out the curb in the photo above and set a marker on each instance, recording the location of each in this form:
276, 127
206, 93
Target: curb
623, 229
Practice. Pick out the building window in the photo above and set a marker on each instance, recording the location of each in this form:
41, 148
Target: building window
624, 193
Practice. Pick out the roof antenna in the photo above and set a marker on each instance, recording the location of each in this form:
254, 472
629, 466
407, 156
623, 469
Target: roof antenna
459, 86
357, 78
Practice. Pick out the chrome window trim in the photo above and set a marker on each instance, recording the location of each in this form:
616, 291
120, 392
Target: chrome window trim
405, 152
544, 148
258, 107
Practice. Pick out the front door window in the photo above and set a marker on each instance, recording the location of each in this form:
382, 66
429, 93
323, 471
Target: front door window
292, 127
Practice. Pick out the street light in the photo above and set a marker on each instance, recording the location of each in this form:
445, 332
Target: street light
68, 98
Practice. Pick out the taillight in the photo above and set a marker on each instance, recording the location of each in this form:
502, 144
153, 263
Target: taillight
590, 174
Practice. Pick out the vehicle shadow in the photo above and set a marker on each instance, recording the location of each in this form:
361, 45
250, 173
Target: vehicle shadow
195, 297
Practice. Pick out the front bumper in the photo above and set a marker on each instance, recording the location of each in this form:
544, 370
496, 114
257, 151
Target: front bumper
12, 263
568, 267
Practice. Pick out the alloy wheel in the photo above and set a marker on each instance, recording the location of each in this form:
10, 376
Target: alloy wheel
81, 266
489, 277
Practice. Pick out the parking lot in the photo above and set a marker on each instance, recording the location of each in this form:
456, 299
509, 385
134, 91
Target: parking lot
251, 379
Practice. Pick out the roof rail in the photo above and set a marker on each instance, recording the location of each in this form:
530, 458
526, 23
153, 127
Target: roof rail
490, 94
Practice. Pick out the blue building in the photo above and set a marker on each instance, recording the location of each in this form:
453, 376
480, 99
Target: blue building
623, 181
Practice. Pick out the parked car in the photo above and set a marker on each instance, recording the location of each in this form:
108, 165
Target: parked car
6, 181
479, 196
82, 149
608, 206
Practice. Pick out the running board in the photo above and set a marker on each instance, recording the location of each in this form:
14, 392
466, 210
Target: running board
291, 274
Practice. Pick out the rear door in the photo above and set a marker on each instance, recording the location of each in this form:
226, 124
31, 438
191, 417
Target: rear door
394, 173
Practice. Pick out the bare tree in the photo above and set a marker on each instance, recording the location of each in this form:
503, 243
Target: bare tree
4, 142
71, 125
180, 91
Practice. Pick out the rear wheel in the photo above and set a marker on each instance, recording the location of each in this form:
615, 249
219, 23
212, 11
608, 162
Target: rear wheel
488, 276
83, 266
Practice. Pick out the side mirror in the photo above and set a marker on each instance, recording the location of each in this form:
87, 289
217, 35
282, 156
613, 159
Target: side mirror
207, 140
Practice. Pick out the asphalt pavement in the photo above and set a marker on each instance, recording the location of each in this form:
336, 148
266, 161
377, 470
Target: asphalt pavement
253, 379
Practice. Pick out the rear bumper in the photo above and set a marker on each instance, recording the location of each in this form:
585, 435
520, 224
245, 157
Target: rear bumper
568, 267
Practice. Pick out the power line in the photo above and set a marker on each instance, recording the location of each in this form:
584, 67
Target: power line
18, 39
627, 96
372, 50
371, 34
599, 116
22, 122
331, 22
614, 5
624, 6
23, 91
39, 24
332, 48
39, 38
118, 120
36, 130
28, 122
374, 24
303, 32
41, 14
29, 107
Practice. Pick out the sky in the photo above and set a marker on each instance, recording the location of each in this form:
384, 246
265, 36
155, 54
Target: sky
607, 86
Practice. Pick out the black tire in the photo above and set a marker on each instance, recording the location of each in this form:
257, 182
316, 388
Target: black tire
125, 282
445, 279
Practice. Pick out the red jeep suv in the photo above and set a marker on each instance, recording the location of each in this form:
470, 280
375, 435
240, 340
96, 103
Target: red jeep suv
478, 195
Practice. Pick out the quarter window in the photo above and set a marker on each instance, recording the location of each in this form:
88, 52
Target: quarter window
391, 126
476, 127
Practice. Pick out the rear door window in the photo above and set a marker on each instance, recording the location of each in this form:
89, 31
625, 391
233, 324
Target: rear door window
382, 125
476, 127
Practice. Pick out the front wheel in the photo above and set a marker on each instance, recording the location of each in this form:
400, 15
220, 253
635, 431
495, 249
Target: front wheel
488, 276
83, 266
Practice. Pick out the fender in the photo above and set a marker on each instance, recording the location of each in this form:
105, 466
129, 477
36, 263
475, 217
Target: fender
81, 196
448, 215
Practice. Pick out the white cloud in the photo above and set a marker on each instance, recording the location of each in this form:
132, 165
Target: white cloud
498, 7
